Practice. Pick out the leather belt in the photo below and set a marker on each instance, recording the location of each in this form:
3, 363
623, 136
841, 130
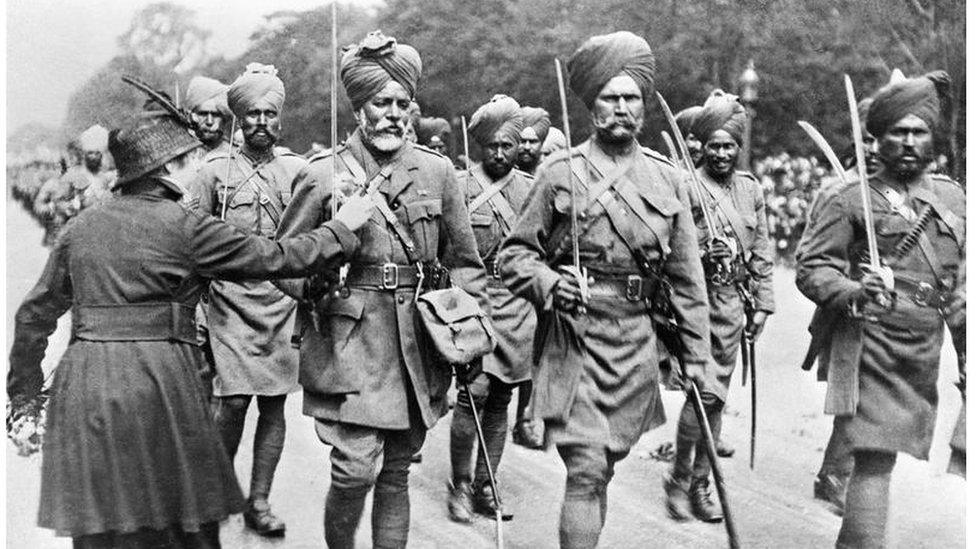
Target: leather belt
135, 322
921, 293
388, 276
630, 287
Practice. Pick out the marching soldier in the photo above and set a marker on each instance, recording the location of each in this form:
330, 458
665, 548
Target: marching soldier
206, 99
250, 322
686, 121
434, 134
887, 326
738, 267
596, 383
495, 194
131, 456
371, 378
533, 135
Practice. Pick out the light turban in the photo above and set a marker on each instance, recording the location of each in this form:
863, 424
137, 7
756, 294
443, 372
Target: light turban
925, 97
501, 114
721, 111
258, 82
94, 138
538, 120
202, 89
369, 66
554, 141
602, 57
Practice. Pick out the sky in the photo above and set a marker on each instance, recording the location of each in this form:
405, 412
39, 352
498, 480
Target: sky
53, 46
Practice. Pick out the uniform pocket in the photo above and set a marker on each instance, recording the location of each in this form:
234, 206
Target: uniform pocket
342, 315
423, 218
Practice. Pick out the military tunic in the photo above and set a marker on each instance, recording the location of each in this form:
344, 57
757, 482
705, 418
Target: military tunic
596, 377
741, 199
130, 443
250, 322
512, 318
368, 362
883, 374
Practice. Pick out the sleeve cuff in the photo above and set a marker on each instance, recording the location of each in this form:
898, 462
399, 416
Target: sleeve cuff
347, 239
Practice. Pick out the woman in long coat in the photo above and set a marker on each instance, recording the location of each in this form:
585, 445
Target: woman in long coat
131, 457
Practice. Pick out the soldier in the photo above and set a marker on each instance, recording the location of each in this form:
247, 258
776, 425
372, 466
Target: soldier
206, 99
250, 322
131, 457
830, 484
596, 378
555, 141
434, 133
739, 268
532, 137
496, 192
883, 354
370, 376
686, 120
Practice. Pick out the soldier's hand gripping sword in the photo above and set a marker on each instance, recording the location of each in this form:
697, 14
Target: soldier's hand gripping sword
886, 300
578, 270
724, 269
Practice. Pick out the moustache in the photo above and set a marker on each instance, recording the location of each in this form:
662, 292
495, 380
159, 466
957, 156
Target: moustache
615, 121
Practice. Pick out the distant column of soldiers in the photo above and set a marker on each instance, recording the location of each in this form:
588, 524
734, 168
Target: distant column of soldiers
572, 252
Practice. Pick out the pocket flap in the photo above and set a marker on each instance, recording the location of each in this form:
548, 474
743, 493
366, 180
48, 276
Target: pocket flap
351, 306
427, 209
451, 305
666, 205
481, 220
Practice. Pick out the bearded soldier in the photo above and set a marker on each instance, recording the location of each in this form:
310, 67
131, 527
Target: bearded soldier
884, 345
496, 193
738, 266
206, 99
596, 384
370, 375
251, 322
533, 135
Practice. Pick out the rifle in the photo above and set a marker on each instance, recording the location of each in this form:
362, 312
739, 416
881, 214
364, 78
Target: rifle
666, 323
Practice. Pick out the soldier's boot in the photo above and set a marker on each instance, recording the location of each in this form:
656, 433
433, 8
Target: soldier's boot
701, 501
677, 502
258, 517
723, 450
484, 503
460, 506
833, 490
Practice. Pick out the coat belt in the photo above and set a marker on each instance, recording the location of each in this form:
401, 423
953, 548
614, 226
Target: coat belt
135, 322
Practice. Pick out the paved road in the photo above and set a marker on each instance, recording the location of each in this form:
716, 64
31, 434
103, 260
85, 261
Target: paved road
773, 504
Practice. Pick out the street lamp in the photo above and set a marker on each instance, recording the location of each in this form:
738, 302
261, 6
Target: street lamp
748, 94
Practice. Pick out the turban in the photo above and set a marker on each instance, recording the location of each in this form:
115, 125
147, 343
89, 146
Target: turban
369, 66
428, 128
94, 138
602, 57
258, 82
924, 96
538, 120
501, 114
555, 140
203, 89
721, 111
686, 119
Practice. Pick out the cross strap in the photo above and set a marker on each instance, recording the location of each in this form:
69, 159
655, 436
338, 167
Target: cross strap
731, 214
489, 194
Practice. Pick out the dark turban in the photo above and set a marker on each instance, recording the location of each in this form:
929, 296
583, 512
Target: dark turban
432, 127
602, 57
924, 96
203, 89
538, 120
686, 119
721, 111
501, 114
258, 82
370, 65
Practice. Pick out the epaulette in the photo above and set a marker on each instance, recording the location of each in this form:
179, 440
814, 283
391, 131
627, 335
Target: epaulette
656, 155
216, 155
428, 150
560, 155
747, 175
289, 153
326, 153
946, 179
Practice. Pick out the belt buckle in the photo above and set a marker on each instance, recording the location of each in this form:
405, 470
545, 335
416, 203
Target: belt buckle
923, 293
494, 269
391, 276
635, 286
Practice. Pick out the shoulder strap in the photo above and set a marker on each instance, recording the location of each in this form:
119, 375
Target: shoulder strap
489, 193
730, 213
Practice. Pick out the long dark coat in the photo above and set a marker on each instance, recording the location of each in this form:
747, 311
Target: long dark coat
883, 373
130, 443
369, 357
596, 377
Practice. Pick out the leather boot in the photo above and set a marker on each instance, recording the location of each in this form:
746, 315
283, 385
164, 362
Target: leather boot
459, 502
258, 517
831, 489
677, 503
723, 450
701, 501
484, 503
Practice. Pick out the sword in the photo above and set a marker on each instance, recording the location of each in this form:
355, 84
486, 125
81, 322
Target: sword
874, 259
333, 109
578, 270
230, 162
467, 153
821, 142
751, 342
672, 152
499, 541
